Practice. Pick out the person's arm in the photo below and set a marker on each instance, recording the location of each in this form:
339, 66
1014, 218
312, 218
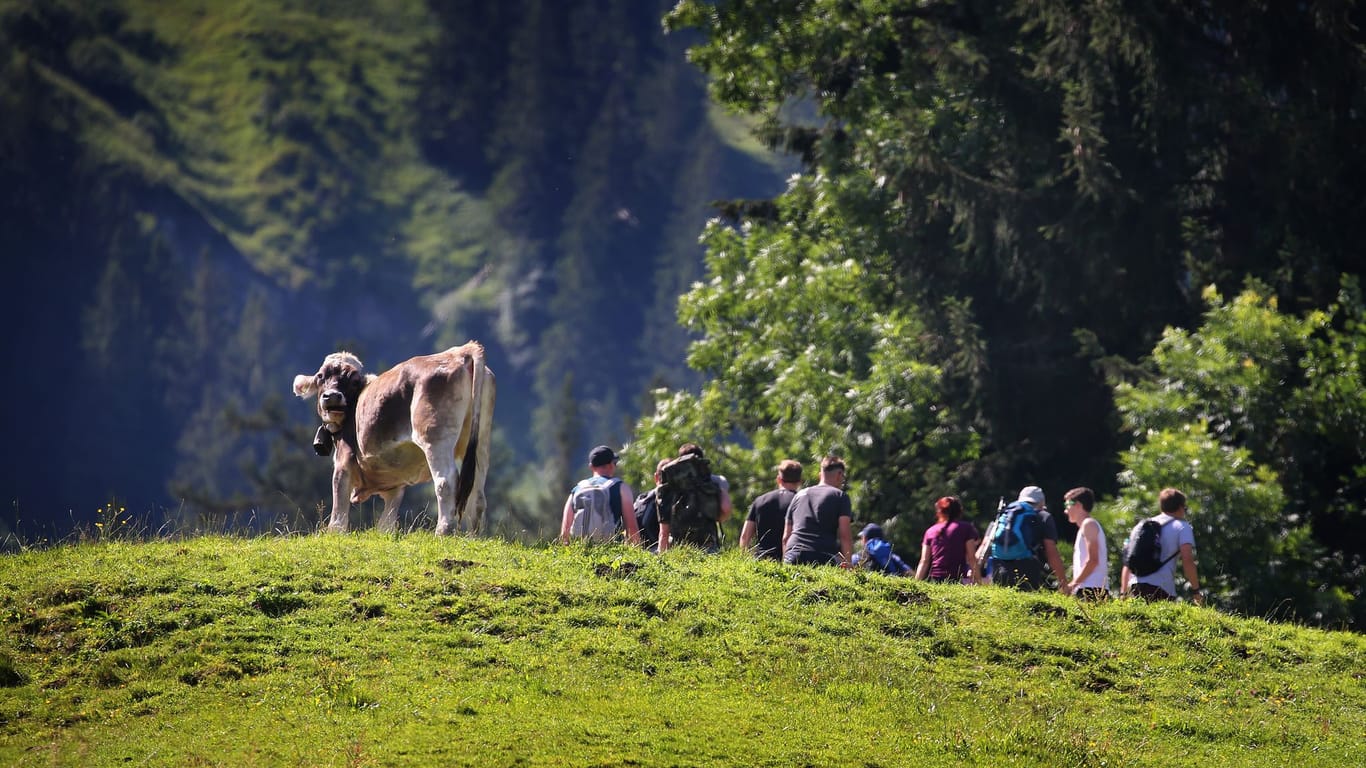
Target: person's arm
974, 567
747, 535
663, 537
726, 508
628, 514
1050, 551
923, 570
846, 541
1092, 543
787, 533
567, 521
1124, 581
1188, 566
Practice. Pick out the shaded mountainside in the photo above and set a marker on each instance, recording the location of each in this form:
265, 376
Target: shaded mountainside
199, 203
418, 650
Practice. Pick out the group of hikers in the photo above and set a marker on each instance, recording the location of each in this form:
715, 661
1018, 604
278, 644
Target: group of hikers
813, 525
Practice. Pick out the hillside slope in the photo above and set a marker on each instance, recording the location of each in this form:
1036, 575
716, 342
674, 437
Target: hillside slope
374, 650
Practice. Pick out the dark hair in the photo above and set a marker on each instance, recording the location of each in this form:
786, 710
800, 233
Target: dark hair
790, 471
830, 463
1170, 500
691, 449
950, 507
1083, 496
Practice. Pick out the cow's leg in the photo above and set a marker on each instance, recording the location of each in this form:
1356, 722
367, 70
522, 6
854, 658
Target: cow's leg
388, 519
445, 474
481, 453
341, 499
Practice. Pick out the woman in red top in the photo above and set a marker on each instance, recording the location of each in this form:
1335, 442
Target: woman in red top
949, 549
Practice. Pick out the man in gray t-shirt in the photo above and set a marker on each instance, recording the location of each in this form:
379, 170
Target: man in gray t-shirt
1178, 544
817, 530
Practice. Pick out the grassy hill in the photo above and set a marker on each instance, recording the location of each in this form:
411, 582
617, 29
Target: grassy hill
378, 650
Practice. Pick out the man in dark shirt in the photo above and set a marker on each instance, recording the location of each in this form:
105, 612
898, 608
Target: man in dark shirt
817, 530
768, 513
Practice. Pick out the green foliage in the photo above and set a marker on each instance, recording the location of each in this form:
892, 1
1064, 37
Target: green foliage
418, 650
1245, 414
809, 353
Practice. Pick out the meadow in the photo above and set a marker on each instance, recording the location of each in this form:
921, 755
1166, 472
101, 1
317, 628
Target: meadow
375, 650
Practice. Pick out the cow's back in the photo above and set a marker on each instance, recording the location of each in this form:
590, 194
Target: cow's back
424, 395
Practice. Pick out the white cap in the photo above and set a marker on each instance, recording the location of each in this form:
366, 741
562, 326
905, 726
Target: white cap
1032, 494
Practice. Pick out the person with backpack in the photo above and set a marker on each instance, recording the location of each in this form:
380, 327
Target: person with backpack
763, 531
693, 502
948, 552
594, 509
876, 552
647, 512
818, 527
1090, 558
1152, 549
1021, 541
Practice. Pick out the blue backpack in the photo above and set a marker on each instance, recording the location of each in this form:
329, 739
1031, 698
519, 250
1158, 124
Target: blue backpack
1016, 533
881, 555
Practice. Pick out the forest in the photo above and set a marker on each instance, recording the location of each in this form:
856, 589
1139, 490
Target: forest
968, 246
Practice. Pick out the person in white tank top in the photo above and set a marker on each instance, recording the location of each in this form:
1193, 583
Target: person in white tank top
1090, 558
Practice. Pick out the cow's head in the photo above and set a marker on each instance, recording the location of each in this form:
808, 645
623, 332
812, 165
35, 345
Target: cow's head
336, 384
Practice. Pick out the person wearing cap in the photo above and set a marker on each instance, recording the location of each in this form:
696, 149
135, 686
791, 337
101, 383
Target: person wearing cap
763, 531
1090, 558
602, 462
876, 552
948, 552
818, 526
1028, 573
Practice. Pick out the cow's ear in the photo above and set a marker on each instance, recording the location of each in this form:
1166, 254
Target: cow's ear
304, 385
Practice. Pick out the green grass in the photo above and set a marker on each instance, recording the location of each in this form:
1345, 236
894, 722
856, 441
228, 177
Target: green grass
378, 650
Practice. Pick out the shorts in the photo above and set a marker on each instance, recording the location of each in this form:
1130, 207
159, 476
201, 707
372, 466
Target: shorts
1150, 592
1024, 574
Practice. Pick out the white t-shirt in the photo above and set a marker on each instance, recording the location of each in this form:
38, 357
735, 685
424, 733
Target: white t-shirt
1100, 577
1175, 533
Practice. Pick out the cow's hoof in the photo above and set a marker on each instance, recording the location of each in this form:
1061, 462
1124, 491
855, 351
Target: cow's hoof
322, 441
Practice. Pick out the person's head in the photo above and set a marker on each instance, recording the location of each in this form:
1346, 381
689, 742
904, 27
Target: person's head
948, 508
832, 470
790, 472
870, 531
1033, 495
1078, 503
1172, 502
660, 468
691, 449
602, 460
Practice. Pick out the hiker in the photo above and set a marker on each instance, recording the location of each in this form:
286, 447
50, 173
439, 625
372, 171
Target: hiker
647, 513
1090, 558
594, 509
1173, 539
817, 529
1021, 539
763, 531
693, 502
948, 551
877, 553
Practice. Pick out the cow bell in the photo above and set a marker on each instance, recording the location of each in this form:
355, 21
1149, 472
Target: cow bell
322, 441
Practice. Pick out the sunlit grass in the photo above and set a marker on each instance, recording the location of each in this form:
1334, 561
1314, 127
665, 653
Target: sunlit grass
413, 650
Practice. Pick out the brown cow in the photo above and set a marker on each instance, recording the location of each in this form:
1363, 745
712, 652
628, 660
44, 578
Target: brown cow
408, 425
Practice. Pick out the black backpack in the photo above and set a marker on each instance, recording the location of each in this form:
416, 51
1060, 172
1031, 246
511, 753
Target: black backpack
1143, 550
694, 500
646, 507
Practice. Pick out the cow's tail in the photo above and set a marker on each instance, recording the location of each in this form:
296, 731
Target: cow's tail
476, 417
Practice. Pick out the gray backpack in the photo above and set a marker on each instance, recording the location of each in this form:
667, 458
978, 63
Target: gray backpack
594, 518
